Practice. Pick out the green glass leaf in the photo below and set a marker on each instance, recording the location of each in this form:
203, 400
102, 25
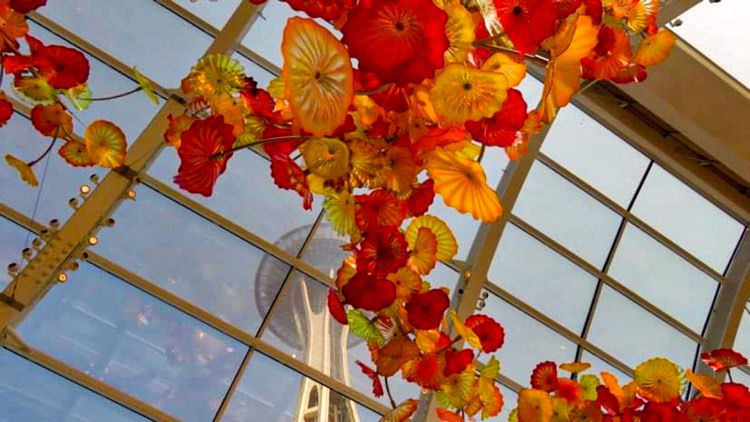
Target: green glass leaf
79, 97
491, 370
363, 328
588, 384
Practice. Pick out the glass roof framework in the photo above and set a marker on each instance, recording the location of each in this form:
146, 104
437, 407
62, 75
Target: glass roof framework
234, 358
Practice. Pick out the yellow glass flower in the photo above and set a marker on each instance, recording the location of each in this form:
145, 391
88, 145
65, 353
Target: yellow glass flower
339, 208
422, 257
34, 90
457, 389
507, 66
560, 410
463, 93
534, 405
318, 76
447, 246
463, 185
575, 367
407, 283
215, 75
75, 154
659, 380
366, 163
23, 169
105, 143
706, 385
460, 32
146, 86
654, 49
326, 157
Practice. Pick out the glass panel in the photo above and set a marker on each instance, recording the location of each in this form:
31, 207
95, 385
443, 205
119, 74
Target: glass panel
62, 181
630, 333
29, 392
265, 35
287, 398
192, 258
126, 338
742, 341
542, 278
302, 327
261, 75
724, 46
495, 162
109, 25
527, 341
131, 113
596, 155
567, 214
598, 366
278, 213
663, 278
687, 218
215, 12
13, 241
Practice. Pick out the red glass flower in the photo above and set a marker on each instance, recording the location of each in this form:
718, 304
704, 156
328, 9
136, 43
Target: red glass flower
544, 377
26, 6
425, 310
382, 252
6, 110
288, 175
400, 41
62, 67
368, 292
378, 209
204, 154
457, 361
336, 308
501, 128
527, 22
421, 198
721, 359
491, 334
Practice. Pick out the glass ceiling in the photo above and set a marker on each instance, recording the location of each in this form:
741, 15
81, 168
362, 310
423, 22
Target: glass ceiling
719, 31
191, 304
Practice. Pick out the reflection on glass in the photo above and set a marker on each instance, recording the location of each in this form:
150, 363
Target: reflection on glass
13, 241
289, 397
596, 155
31, 393
302, 327
631, 334
527, 341
663, 278
215, 12
124, 337
542, 278
687, 218
567, 214
22, 140
160, 37
598, 366
246, 195
176, 249
323, 250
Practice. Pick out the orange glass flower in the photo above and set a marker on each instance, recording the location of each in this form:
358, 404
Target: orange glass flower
318, 76
105, 143
52, 120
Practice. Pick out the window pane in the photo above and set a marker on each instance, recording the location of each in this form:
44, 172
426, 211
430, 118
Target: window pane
29, 392
62, 181
131, 113
742, 341
567, 214
542, 278
663, 278
191, 257
633, 335
160, 36
323, 251
261, 75
126, 338
302, 327
596, 155
598, 366
13, 241
527, 341
278, 213
215, 12
289, 397
687, 218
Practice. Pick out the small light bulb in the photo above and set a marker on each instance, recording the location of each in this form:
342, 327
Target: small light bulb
73, 203
13, 268
85, 190
62, 277
26, 253
131, 194
93, 240
94, 179
74, 266
110, 222
37, 243
54, 224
